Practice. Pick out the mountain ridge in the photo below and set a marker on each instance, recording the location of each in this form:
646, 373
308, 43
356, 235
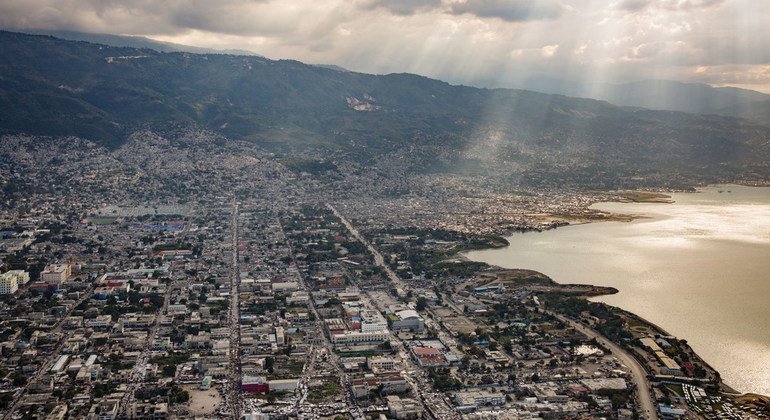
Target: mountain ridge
55, 87
665, 95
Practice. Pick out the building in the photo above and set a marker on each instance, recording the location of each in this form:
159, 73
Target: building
670, 412
280, 336
283, 384
385, 385
372, 320
176, 309
174, 254
479, 398
148, 411
56, 274
8, 284
255, 384
668, 365
403, 408
285, 287
355, 338
101, 321
408, 319
429, 357
381, 363
10, 281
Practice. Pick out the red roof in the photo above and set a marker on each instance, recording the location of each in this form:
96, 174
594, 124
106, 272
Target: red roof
426, 351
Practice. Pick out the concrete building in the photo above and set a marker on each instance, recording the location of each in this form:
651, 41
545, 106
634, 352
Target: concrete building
10, 281
668, 365
255, 384
283, 384
372, 320
403, 408
355, 338
381, 363
280, 336
176, 310
479, 398
408, 319
8, 284
56, 274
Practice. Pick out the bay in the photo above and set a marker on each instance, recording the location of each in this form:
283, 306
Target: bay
699, 268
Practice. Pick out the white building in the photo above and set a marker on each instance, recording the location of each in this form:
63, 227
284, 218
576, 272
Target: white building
10, 281
283, 384
285, 287
176, 310
381, 363
477, 398
355, 338
372, 320
408, 319
21, 276
101, 321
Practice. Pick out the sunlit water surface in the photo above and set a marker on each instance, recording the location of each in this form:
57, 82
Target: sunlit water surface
699, 268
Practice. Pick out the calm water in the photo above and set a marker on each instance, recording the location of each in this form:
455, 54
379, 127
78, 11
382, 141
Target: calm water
699, 268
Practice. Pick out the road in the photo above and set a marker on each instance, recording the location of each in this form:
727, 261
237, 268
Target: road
232, 390
378, 259
432, 401
638, 373
140, 368
345, 383
54, 355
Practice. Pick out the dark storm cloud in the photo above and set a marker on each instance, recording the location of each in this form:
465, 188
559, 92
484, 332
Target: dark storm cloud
509, 10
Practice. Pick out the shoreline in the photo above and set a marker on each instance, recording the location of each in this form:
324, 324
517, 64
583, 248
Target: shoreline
557, 221
598, 291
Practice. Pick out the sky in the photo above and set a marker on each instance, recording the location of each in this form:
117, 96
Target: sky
475, 42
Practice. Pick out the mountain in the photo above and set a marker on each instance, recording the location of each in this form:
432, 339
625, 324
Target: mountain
133, 41
399, 124
696, 98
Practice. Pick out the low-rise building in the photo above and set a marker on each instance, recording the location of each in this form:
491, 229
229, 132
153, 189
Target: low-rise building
408, 319
403, 408
356, 338
479, 398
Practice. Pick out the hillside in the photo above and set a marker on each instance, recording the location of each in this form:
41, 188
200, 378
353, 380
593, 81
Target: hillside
54, 87
696, 98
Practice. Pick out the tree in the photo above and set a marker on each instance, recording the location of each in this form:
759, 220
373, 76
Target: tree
169, 371
422, 303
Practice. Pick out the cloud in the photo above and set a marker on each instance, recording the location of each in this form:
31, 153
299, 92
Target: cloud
632, 5
476, 42
402, 7
508, 10
689, 4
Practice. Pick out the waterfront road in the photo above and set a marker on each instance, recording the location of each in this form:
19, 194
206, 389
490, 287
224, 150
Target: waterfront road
638, 373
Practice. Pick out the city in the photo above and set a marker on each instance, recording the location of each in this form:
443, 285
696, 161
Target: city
263, 308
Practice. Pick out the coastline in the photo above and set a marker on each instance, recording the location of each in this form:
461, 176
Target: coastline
554, 221
593, 291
